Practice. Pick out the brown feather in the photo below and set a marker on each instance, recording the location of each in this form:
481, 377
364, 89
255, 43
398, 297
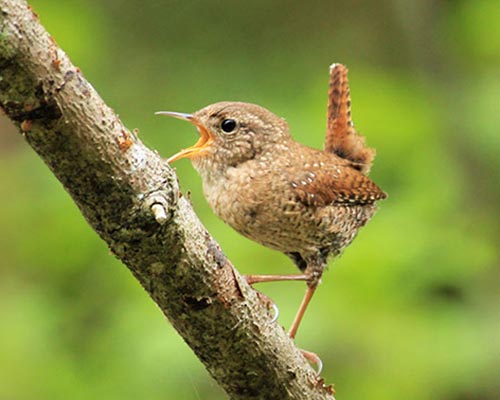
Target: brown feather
341, 137
326, 183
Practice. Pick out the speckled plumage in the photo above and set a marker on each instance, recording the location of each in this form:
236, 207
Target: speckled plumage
277, 192
306, 203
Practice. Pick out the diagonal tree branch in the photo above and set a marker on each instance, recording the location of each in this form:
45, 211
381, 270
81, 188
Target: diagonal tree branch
130, 197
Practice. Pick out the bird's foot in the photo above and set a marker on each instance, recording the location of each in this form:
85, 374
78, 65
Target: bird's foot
313, 359
252, 279
312, 280
269, 305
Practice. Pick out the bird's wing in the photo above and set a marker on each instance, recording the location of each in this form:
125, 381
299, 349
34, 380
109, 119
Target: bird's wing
334, 185
341, 137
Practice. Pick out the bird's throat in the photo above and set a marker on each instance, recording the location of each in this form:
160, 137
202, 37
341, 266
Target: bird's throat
197, 149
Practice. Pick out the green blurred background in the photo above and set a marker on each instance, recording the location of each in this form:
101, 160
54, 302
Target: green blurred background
412, 308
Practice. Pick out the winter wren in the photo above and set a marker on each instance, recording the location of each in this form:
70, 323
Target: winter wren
306, 203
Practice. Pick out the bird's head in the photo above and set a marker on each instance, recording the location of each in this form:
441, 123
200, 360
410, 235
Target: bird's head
231, 133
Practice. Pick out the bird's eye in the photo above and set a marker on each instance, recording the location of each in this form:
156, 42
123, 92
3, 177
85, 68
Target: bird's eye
228, 125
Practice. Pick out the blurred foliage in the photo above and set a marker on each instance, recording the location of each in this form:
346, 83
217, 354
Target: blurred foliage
410, 311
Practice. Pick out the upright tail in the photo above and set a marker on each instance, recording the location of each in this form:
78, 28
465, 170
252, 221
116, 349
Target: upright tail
341, 137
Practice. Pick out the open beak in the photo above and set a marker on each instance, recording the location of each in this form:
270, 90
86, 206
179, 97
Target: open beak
204, 141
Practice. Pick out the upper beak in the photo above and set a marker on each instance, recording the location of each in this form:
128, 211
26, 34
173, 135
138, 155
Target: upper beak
205, 138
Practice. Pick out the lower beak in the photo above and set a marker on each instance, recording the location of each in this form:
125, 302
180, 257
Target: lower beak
204, 141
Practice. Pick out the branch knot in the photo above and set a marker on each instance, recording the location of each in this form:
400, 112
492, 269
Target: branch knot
160, 204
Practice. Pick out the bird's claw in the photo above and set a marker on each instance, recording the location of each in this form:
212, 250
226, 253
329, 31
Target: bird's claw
269, 304
276, 313
313, 359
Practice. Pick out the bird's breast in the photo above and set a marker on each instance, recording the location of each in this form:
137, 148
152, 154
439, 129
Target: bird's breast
258, 204
237, 199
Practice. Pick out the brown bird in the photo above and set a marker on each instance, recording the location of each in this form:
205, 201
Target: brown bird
306, 203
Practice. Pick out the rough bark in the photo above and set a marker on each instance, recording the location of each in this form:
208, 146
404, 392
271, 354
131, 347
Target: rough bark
131, 198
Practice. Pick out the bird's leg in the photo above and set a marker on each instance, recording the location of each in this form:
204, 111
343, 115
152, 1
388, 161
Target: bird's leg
312, 274
302, 309
251, 279
314, 271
